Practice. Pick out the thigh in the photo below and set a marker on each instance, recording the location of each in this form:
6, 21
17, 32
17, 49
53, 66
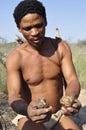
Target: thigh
66, 123
26, 124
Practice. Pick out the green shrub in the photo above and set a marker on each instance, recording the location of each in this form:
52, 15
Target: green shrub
79, 59
3, 79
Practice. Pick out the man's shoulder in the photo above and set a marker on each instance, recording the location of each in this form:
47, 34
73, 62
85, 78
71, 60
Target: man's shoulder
13, 53
63, 45
13, 56
64, 49
16, 52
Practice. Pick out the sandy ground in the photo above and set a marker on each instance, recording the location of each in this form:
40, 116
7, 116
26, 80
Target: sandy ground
8, 114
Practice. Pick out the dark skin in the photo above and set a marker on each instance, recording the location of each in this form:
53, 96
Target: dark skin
37, 63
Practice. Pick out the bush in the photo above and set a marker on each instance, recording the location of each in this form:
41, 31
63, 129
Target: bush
3, 79
79, 59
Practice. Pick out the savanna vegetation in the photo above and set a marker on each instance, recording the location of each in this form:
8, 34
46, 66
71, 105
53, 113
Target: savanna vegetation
78, 53
79, 59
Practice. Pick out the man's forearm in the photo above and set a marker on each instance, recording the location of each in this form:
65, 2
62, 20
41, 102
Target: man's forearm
20, 106
73, 89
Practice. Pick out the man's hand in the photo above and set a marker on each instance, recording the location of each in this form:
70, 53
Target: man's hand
70, 105
37, 114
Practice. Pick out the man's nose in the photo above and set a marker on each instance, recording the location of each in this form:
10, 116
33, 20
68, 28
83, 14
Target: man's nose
34, 32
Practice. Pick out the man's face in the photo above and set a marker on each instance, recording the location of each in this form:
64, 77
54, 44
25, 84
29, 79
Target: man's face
32, 26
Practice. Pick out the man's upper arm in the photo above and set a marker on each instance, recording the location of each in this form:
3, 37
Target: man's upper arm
13, 77
67, 65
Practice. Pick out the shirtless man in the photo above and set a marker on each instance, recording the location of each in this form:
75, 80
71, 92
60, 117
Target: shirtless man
35, 69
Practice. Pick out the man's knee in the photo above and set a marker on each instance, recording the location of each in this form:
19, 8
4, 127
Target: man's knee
68, 123
26, 124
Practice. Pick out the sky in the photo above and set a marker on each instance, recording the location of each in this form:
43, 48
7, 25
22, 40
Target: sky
67, 15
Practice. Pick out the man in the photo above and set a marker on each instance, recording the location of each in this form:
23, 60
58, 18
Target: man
35, 71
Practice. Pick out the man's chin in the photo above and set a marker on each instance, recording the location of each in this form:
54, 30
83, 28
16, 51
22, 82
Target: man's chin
36, 45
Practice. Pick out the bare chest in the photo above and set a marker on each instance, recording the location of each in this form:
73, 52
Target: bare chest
36, 68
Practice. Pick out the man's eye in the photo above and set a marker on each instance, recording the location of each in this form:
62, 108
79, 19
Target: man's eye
27, 28
39, 25
35, 26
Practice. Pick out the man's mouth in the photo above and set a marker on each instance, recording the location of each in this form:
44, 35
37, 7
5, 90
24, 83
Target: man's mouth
36, 40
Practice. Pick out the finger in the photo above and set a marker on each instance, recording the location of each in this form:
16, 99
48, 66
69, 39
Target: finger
33, 104
39, 117
41, 111
72, 110
77, 104
65, 111
69, 110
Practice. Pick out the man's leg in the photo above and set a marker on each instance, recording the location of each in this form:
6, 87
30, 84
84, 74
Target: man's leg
26, 124
66, 123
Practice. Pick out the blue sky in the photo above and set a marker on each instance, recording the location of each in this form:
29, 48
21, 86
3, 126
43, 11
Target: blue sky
68, 15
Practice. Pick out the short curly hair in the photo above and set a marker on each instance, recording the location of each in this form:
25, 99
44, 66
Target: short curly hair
29, 6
